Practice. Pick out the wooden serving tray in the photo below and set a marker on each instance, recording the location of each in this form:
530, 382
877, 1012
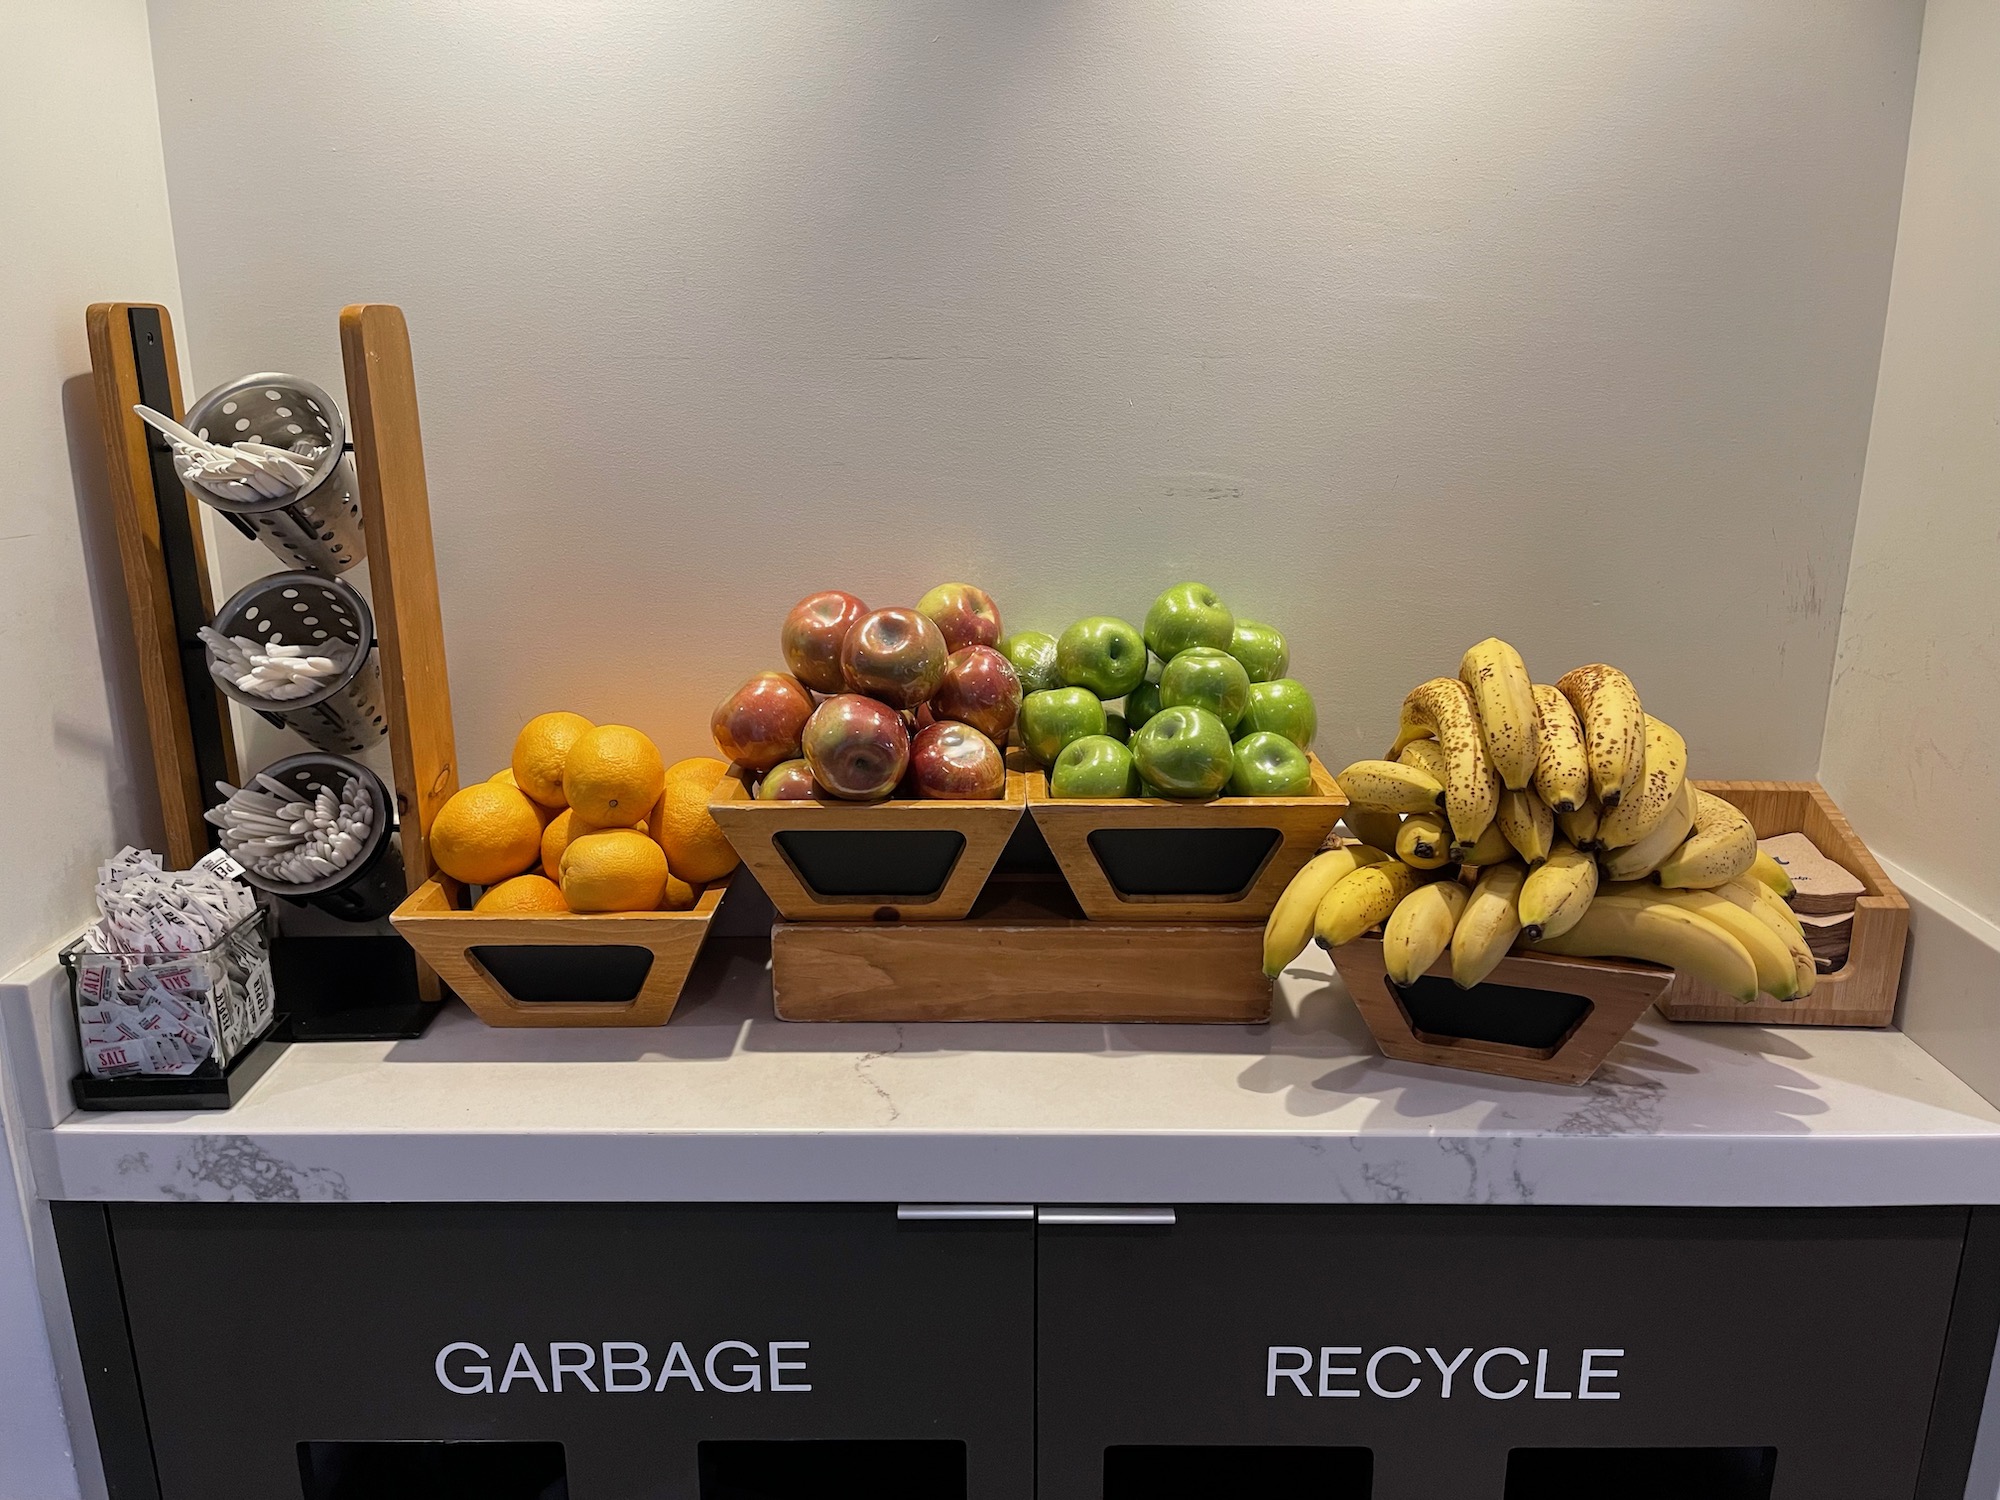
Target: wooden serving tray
1862, 992
550, 970
824, 860
1534, 1036
1154, 859
1026, 953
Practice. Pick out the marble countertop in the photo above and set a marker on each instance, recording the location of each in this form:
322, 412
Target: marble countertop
727, 1103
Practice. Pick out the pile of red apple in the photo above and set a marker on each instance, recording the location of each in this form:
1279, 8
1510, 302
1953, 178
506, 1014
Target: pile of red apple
879, 701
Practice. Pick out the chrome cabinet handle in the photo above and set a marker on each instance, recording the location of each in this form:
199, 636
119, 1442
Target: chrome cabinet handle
933, 1212
1113, 1216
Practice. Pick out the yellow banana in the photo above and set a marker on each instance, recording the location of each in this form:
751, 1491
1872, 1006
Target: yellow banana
1441, 709
1614, 728
1660, 932
1492, 848
1424, 841
1765, 904
1557, 895
1660, 783
1420, 929
1776, 906
1771, 873
1637, 861
1769, 955
1373, 826
1579, 825
1562, 774
1390, 786
1491, 922
1528, 824
1290, 926
1425, 755
1358, 901
1722, 846
1503, 696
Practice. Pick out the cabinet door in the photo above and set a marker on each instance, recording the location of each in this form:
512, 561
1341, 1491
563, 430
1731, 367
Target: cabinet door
642, 1351
1734, 1355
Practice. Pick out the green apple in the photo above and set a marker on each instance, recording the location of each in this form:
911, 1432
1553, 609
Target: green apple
1202, 677
1103, 654
1117, 728
1283, 707
1184, 752
1054, 717
1094, 766
1262, 650
1032, 654
1142, 703
1188, 614
1269, 765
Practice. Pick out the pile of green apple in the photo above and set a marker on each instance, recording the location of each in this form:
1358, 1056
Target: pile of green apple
1197, 705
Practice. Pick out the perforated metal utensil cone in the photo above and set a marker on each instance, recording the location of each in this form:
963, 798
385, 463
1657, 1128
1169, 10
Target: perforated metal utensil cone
345, 714
318, 526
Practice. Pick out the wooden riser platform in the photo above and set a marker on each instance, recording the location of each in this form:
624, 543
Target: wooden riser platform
1024, 954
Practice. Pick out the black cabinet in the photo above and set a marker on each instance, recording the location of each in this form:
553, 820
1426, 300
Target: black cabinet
1530, 1354
729, 1352
669, 1351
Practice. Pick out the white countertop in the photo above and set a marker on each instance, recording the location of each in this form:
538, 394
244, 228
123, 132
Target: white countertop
727, 1103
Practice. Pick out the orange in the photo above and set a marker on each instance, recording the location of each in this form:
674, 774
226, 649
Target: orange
485, 833
539, 752
524, 893
696, 848
613, 869
612, 776
506, 778
679, 896
561, 828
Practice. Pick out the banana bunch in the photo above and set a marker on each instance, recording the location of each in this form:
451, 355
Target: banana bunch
1559, 818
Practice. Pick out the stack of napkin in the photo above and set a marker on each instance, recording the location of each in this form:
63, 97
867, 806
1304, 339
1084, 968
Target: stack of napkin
1823, 895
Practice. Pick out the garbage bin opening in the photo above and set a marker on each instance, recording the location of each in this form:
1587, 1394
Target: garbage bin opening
1170, 1472
926, 1469
1641, 1473
433, 1471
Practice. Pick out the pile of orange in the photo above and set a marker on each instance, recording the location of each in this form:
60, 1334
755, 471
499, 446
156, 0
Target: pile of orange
587, 818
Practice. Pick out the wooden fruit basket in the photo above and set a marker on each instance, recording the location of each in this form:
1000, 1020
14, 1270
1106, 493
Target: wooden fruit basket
1151, 859
1024, 954
823, 860
1862, 992
1538, 1016
563, 969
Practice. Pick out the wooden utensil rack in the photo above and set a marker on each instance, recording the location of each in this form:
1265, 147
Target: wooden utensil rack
165, 565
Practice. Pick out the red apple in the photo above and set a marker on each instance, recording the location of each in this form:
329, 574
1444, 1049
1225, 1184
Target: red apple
857, 748
791, 781
814, 632
980, 688
895, 655
759, 724
956, 761
964, 615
